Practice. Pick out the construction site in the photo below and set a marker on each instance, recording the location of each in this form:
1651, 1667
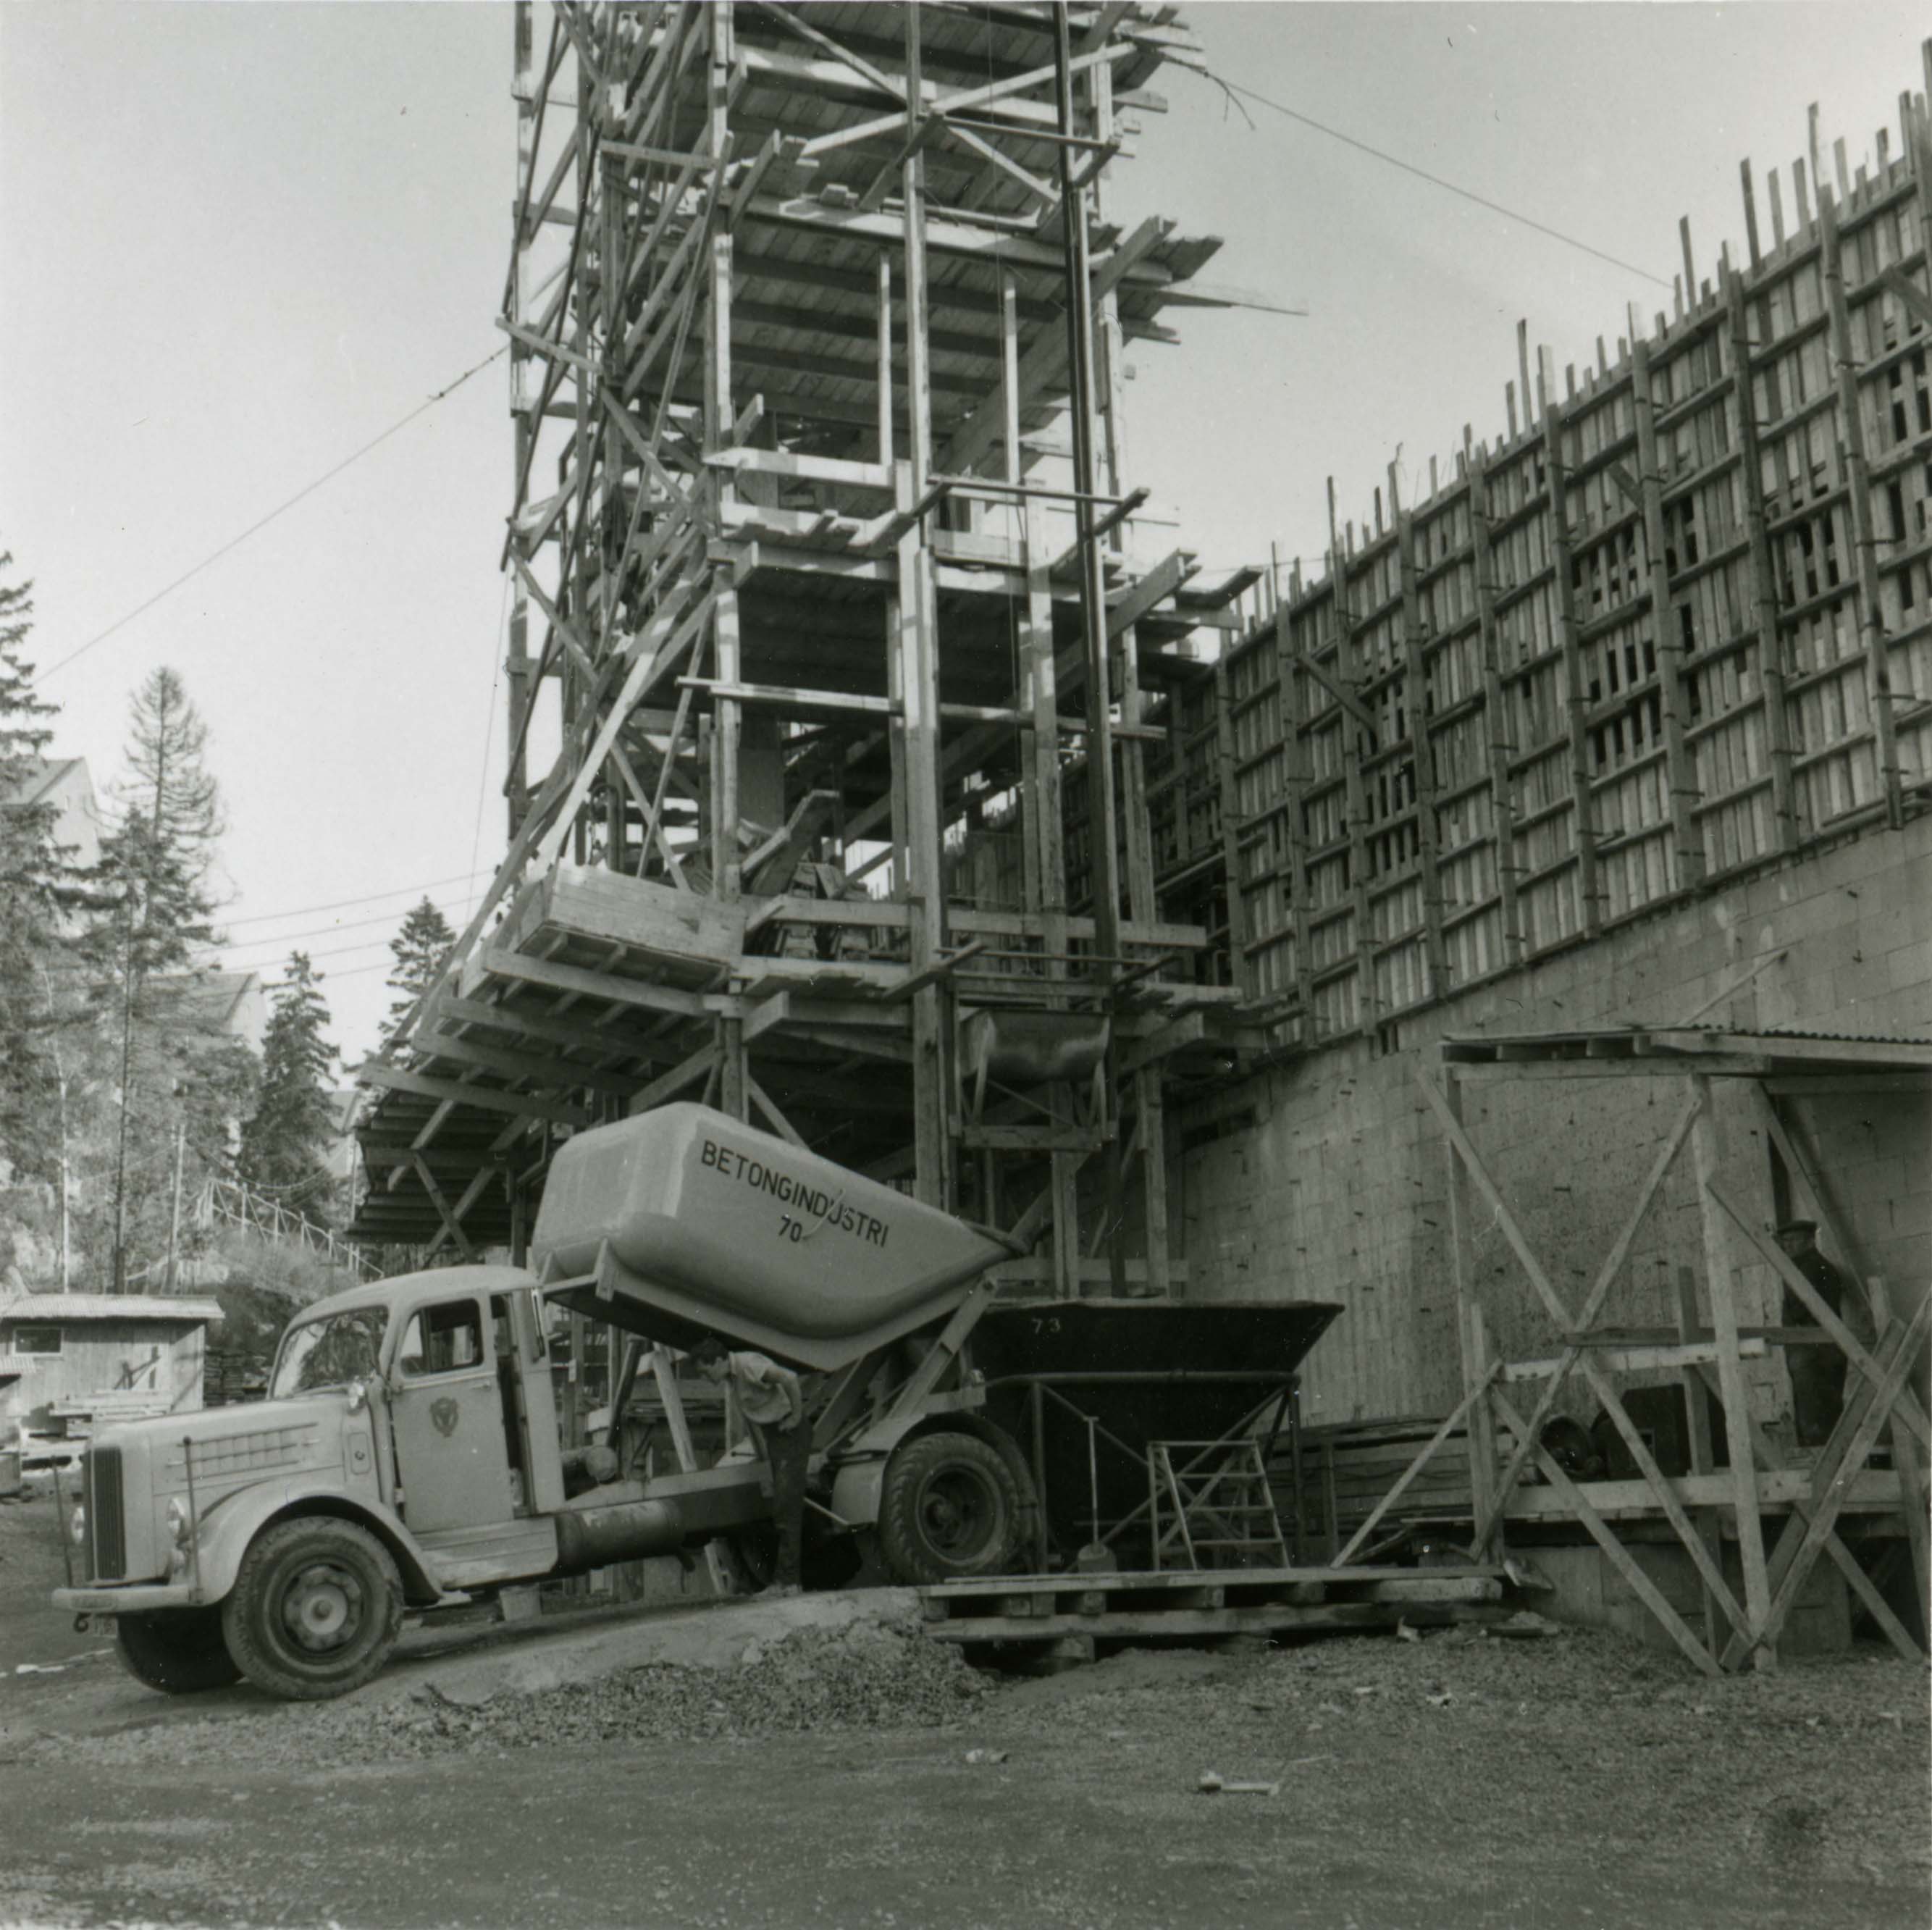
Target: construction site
1351, 1109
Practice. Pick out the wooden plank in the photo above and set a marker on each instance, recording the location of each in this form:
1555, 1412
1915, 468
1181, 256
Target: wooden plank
1583, 833
1502, 795
1436, 1440
1820, 1310
1653, 1356
1182, 1623
484, 1098
1831, 1482
1686, 839
1707, 1150
1697, 1432
1761, 580
495, 961
1851, 426
1639, 1584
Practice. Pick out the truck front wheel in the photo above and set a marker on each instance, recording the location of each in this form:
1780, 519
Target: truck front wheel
315, 1608
949, 1506
179, 1651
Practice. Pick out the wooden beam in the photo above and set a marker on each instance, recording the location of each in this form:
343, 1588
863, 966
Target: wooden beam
484, 1098
502, 963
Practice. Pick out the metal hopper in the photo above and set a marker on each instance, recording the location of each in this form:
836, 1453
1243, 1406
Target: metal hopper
684, 1221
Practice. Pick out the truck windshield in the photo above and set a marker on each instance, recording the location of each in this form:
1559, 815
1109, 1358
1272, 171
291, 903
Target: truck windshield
330, 1351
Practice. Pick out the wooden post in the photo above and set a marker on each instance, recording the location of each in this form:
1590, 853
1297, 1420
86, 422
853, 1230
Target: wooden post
1589, 886
1864, 538
1473, 1335
1495, 704
1762, 579
1422, 752
1368, 1005
1687, 836
1706, 1149
1697, 1435
517, 665
1294, 784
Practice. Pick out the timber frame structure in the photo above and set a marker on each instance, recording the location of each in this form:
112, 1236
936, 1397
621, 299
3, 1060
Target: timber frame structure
1812, 1502
832, 592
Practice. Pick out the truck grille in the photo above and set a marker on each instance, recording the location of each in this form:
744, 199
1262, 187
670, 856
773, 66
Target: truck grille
106, 1525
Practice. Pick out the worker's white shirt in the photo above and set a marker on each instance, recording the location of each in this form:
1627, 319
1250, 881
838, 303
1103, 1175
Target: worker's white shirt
760, 1383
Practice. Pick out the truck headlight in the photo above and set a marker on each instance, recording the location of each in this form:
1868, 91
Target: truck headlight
76, 1525
181, 1536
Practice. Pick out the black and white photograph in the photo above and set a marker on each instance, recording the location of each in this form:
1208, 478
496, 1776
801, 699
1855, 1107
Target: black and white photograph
965, 965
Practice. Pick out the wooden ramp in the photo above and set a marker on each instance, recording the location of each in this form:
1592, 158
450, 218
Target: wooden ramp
1049, 1609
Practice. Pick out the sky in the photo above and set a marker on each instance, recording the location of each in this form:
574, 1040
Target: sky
241, 241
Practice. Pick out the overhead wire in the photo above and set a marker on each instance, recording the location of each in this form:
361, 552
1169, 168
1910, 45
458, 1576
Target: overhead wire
1233, 87
261, 523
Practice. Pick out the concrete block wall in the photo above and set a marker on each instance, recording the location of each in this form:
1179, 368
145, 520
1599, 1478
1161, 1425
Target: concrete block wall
1335, 1185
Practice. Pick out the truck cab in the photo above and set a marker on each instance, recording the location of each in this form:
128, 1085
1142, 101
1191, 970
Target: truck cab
407, 1458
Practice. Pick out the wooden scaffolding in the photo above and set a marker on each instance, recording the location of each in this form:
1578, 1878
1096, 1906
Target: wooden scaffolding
831, 589
1673, 625
1782, 1511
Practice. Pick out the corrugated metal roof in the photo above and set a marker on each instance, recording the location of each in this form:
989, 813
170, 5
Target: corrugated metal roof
107, 1307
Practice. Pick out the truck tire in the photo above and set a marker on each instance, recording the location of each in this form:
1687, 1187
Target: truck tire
315, 1608
179, 1651
949, 1507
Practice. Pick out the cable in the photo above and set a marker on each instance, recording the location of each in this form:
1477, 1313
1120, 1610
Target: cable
1434, 180
235, 542
329, 931
490, 722
368, 897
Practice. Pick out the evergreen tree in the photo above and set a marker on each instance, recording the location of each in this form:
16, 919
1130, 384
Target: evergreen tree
419, 950
39, 976
284, 1146
173, 1062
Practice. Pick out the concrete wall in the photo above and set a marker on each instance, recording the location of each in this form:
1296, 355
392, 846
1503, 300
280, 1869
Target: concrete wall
1326, 1178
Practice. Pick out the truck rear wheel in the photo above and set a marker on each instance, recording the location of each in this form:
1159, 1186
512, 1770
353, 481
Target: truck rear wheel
315, 1608
179, 1651
949, 1506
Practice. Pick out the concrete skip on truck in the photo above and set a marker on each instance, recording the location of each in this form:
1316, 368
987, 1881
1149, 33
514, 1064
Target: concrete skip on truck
407, 1459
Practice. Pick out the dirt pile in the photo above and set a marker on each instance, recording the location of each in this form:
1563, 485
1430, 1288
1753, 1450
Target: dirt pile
867, 1675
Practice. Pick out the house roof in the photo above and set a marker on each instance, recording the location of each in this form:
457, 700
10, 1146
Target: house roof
43, 775
108, 1307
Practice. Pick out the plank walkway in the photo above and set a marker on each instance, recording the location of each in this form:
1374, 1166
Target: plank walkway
1193, 1605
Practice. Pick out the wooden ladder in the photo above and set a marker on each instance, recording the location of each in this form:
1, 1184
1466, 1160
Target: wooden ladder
1211, 1499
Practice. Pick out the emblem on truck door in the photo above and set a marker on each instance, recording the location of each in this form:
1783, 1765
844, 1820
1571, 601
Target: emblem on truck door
445, 1414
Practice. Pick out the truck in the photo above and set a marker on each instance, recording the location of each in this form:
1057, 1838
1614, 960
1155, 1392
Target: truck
407, 1460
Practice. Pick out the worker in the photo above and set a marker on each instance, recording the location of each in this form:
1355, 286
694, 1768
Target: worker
1818, 1371
772, 1399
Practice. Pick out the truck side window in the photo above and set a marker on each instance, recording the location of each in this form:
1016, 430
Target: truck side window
442, 1340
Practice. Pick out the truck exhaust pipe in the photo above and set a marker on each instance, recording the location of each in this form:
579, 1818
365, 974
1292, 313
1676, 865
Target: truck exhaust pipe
623, 1531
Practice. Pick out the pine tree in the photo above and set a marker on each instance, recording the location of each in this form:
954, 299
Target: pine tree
39, 979
152, 882
284, 1146
419, 949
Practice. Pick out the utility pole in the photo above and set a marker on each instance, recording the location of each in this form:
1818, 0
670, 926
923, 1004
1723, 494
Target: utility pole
174, 1224
126, 1068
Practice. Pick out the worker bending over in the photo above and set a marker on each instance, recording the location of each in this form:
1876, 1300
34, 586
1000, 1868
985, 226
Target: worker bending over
772, 1400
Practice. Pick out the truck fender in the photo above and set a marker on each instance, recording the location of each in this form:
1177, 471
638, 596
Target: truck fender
861, 1470
225, 1531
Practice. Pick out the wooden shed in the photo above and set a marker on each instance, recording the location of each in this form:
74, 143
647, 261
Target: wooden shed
80, 1353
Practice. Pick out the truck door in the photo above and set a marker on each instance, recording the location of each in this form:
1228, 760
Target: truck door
451, 1460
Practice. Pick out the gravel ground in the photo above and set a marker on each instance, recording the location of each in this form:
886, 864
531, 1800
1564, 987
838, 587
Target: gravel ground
1820, 1767
866, 1677
867, 1775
